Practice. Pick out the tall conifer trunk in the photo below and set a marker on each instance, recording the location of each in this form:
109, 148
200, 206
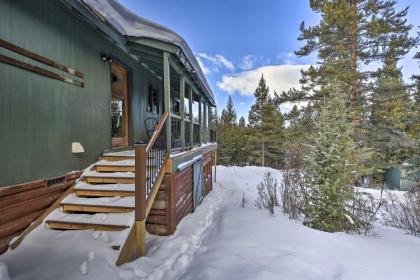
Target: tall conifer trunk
353, 61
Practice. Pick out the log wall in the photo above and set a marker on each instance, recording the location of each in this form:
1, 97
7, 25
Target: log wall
175, 198
22, 204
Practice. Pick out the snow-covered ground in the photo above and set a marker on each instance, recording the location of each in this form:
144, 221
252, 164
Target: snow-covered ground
222, 240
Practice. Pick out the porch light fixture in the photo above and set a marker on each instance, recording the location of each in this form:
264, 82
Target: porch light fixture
106, 59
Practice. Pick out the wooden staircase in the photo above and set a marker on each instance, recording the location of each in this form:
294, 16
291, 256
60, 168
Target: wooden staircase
115, 194
101, 190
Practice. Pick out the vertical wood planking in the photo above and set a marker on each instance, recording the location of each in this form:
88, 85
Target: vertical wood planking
167, 97
181, 108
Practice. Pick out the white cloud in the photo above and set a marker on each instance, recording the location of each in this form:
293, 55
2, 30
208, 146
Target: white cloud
279, 78
248, 62
203, 67
287, 58
242, 103
215, 62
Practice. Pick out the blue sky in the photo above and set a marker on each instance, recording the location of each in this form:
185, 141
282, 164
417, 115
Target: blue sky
237, 40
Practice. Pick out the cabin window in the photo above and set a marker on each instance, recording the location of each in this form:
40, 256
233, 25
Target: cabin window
195, 109
153, 100
175, 106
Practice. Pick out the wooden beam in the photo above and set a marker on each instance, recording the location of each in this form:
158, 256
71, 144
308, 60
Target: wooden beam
191, 118
155, 189
83, 226
128, 250
140, 234
167, 98
70, 207
181, 109
108, 180
205, 122
38, 70
114, 168
38, 221
200, 120
140, 182
102, 193
39, 58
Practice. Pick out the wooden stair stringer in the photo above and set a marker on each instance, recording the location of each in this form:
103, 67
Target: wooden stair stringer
13, 245
128, 251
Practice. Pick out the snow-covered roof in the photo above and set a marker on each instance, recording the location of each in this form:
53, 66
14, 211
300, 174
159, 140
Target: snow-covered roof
129, 25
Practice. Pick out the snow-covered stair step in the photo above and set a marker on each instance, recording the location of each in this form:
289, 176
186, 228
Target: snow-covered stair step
109, 177
122, 155
107, 190
108, 222
127, 165
117, 156
73, 203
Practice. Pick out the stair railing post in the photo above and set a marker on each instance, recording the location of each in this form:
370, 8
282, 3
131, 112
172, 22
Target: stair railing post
140, 197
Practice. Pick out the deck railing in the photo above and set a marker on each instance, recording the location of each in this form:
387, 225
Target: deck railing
149, 164
196, 134
176, 133
187, 133
213, 135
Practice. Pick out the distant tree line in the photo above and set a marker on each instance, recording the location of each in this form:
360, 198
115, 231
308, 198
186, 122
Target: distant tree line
356, 121
382, 110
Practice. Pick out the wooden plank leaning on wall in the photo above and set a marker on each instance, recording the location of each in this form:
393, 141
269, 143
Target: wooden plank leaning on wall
24, 205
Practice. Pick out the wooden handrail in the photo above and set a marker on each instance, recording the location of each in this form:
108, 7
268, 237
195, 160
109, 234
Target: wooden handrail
158, 128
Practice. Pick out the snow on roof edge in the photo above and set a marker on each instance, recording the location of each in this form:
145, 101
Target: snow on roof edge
129, 24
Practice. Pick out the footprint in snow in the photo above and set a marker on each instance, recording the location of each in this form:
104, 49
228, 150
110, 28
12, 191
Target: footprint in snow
84, 268
91, 256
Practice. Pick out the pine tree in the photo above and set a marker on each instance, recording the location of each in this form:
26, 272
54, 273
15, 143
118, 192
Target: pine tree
350, 34
228, 117
241, 136
242, 123
329, 172
227, 128
266, 129
390, 114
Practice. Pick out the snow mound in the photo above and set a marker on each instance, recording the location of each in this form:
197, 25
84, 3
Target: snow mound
4, 274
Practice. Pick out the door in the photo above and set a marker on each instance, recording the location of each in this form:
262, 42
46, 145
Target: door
119, 105
198, 182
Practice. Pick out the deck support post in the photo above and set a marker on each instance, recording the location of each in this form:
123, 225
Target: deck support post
190, 94
167, 98
140, 198
181, 109
205, 123
200, 120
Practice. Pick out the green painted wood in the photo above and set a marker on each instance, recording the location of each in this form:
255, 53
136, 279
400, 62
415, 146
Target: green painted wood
181, 109
41, 117
167, 98
190, 94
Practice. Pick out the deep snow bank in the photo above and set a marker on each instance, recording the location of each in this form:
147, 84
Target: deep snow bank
221, 240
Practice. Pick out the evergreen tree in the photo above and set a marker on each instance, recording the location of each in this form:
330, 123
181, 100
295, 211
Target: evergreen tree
350, 34
329, 170
266, 129
241, 141
391, 110
227, 139
242, 123
228, 117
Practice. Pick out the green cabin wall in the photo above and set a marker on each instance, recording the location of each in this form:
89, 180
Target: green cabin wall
40, 117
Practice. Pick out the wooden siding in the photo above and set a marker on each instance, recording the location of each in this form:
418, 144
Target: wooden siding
40, 117
20, 205
175, 198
